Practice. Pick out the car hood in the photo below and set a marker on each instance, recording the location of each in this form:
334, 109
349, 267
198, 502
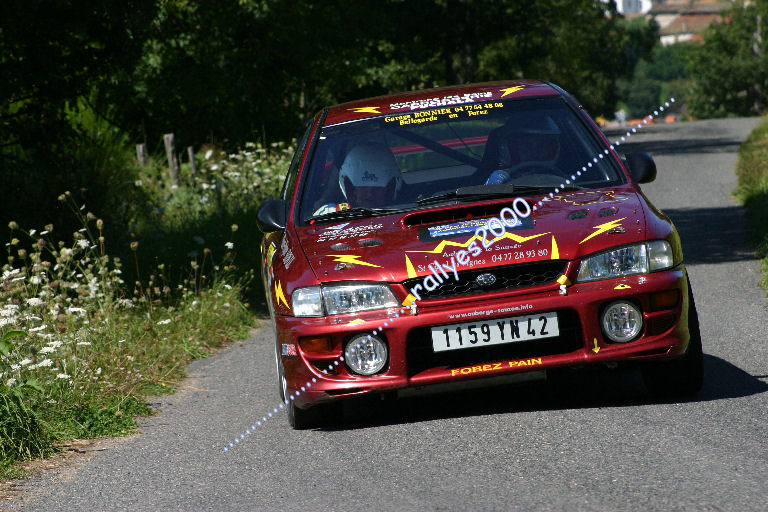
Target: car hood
397, 247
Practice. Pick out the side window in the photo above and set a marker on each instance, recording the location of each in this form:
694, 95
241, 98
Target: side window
293, 169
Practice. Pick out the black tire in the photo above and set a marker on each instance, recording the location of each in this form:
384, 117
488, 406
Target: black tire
684, 376
302, 419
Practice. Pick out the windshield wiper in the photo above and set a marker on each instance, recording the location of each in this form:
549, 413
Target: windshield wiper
352, 213
478, 192
487, 191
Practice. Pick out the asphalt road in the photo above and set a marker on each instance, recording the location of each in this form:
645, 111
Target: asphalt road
598, 443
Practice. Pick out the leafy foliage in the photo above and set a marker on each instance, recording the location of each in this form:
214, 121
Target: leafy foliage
752, 189
729, 71
656, 79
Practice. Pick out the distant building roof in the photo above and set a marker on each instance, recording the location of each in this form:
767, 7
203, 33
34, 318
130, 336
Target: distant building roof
688, 7
689, 24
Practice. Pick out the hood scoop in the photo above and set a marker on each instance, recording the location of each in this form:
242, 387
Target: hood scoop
341, 247
369, 242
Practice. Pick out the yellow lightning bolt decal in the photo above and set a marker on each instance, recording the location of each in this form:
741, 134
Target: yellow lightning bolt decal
602, 228
555, 251
409, 268
366, 110
510, 90
517, 238
621, 287
356, 321
411, 274
279, 295
351, 258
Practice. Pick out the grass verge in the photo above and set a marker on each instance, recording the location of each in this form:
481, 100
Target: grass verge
752, 190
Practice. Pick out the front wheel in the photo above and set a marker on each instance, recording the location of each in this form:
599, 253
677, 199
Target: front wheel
684, 376
302, 419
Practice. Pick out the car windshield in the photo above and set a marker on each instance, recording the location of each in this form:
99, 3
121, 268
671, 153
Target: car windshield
416, 158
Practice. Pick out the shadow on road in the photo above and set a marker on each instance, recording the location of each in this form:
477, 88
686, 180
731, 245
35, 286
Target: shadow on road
572, 390
712, 235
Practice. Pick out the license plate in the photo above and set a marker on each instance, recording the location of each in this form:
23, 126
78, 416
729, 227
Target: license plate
494, 332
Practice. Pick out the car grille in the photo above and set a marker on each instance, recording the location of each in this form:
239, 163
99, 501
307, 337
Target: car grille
507, 278
420, 355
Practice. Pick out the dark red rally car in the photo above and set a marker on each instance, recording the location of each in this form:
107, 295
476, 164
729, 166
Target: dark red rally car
465, 236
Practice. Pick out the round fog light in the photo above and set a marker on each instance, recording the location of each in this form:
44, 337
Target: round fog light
365, 354
622, 322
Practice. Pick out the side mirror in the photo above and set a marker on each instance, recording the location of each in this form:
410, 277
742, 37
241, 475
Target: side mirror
271, 216
641, 166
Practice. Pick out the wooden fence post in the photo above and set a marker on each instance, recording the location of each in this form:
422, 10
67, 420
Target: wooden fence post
141, 154
192, 165
173, 163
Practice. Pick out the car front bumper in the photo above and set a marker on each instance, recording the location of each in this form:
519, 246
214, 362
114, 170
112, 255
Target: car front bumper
412, 364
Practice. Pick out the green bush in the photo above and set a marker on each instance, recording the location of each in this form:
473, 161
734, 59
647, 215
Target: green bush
752, 189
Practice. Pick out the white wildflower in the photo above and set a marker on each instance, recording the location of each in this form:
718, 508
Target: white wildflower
83, 343
15, 279
208, 154
128, 303
32, 232
65, 253
55, 344
229, 245
82, 230
83, 243
9, 310
121, 341
137, 183
228, 287
195, 303
35, 280
43, 233
93, 287
34, 301
41, 364
73, 309
98, 370
15, 367
38, 329
225, 305
9, 273
47, 350
10, 382
63, 376
25, 361
164, 322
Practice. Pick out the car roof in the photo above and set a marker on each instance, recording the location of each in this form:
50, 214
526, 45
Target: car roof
438, 97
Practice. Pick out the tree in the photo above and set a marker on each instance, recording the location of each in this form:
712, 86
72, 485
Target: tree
55, 57
729, 70
227, 71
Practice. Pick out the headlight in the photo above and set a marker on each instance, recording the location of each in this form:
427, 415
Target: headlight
349, 298
626, 261
308, 301
344, 298
365, 354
